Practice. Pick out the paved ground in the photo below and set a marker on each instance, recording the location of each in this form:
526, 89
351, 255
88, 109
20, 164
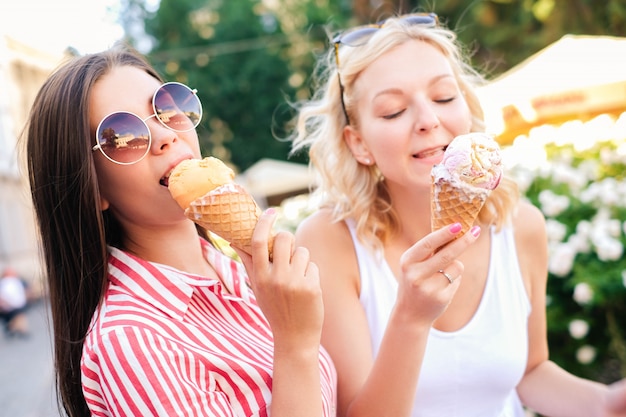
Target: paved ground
26, 378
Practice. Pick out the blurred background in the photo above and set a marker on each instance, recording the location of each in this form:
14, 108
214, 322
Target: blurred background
555, 100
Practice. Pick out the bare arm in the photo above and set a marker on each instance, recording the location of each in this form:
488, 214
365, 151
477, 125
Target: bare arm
546, 388
289, 294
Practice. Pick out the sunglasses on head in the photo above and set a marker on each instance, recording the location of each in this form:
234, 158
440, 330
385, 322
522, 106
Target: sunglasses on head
359, 36
124, 138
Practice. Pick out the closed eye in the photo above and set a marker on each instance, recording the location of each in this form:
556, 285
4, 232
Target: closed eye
393, 115
445, 100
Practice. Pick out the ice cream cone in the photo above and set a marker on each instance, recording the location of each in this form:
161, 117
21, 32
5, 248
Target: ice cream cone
228, 211
470, 169
450, 204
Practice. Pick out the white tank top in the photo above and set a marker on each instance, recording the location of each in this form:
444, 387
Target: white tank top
471, 372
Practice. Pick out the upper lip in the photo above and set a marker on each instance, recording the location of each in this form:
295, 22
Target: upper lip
430, 151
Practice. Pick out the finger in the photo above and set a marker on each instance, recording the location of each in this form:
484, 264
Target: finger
300, 258
261, 235
452, 250
439, 242
452, 274
617, 396
312, 272
283, 247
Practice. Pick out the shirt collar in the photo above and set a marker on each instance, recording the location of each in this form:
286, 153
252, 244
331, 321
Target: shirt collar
170, 289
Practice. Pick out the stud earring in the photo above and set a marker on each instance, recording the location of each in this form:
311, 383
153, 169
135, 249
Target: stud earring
367, 161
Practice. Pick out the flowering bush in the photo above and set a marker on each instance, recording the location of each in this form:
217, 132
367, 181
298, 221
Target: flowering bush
578, 180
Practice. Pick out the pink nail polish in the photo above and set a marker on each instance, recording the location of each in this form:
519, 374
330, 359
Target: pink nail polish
455, 228
270, 211
475, 231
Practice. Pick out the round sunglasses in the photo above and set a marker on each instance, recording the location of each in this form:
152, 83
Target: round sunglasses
124, 138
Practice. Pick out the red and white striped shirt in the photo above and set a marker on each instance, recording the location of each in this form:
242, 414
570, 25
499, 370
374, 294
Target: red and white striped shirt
168, 343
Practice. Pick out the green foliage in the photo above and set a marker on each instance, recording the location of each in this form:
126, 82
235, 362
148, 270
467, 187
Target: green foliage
504, 33
582, 193
241, 56
231, 53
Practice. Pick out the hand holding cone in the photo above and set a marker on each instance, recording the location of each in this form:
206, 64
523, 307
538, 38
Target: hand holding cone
206, 191
471, 168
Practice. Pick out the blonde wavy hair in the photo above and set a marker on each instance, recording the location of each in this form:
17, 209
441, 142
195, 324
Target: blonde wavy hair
348, 188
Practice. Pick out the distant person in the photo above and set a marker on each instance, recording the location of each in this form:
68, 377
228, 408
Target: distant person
422, 323
150, 318
13, 303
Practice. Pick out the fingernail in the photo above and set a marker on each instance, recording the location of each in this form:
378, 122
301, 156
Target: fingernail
475, 231
455, 228
270, 211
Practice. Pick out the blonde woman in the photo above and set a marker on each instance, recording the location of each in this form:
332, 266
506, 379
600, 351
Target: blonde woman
418, 324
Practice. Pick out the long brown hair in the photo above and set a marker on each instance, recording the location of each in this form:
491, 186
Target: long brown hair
74, 232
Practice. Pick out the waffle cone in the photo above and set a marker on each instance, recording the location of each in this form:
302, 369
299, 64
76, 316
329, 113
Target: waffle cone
450, 204
232, 215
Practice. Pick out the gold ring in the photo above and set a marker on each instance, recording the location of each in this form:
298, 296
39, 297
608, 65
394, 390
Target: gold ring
445, 274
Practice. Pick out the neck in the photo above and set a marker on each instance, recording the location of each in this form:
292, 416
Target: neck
178, 247
413, 211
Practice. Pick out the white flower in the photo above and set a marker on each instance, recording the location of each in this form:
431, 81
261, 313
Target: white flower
609, 249
586, 354
579, 242
552, 204
583, 228
614, 227
578, 328
583, 293
555, 230
624, 277
562, 259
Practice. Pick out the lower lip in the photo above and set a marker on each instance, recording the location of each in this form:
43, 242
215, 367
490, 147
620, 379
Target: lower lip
431, 159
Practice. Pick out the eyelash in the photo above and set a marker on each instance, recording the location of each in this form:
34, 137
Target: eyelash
397, 114
394, 115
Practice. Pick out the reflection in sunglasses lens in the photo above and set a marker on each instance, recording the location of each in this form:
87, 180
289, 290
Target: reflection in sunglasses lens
177, 107
123, 137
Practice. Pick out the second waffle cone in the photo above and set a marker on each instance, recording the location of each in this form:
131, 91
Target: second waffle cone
451, 204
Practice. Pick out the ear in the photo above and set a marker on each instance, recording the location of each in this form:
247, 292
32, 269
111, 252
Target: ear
356, 145
104, 203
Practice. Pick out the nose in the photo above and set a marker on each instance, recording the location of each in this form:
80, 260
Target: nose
162, 137
426, 117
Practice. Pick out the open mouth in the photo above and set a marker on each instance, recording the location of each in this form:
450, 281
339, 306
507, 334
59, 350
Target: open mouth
165, 180
430, 153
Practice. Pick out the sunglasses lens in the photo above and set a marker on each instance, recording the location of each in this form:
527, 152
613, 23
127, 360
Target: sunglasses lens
177, 107
123, 137
428, 20
357, 36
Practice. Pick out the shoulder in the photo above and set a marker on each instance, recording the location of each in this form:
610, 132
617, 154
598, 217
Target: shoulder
322, 228
529, 223
330, 245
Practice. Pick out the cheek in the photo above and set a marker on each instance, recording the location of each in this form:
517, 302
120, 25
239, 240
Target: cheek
191, 139
115, 182
460, 120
